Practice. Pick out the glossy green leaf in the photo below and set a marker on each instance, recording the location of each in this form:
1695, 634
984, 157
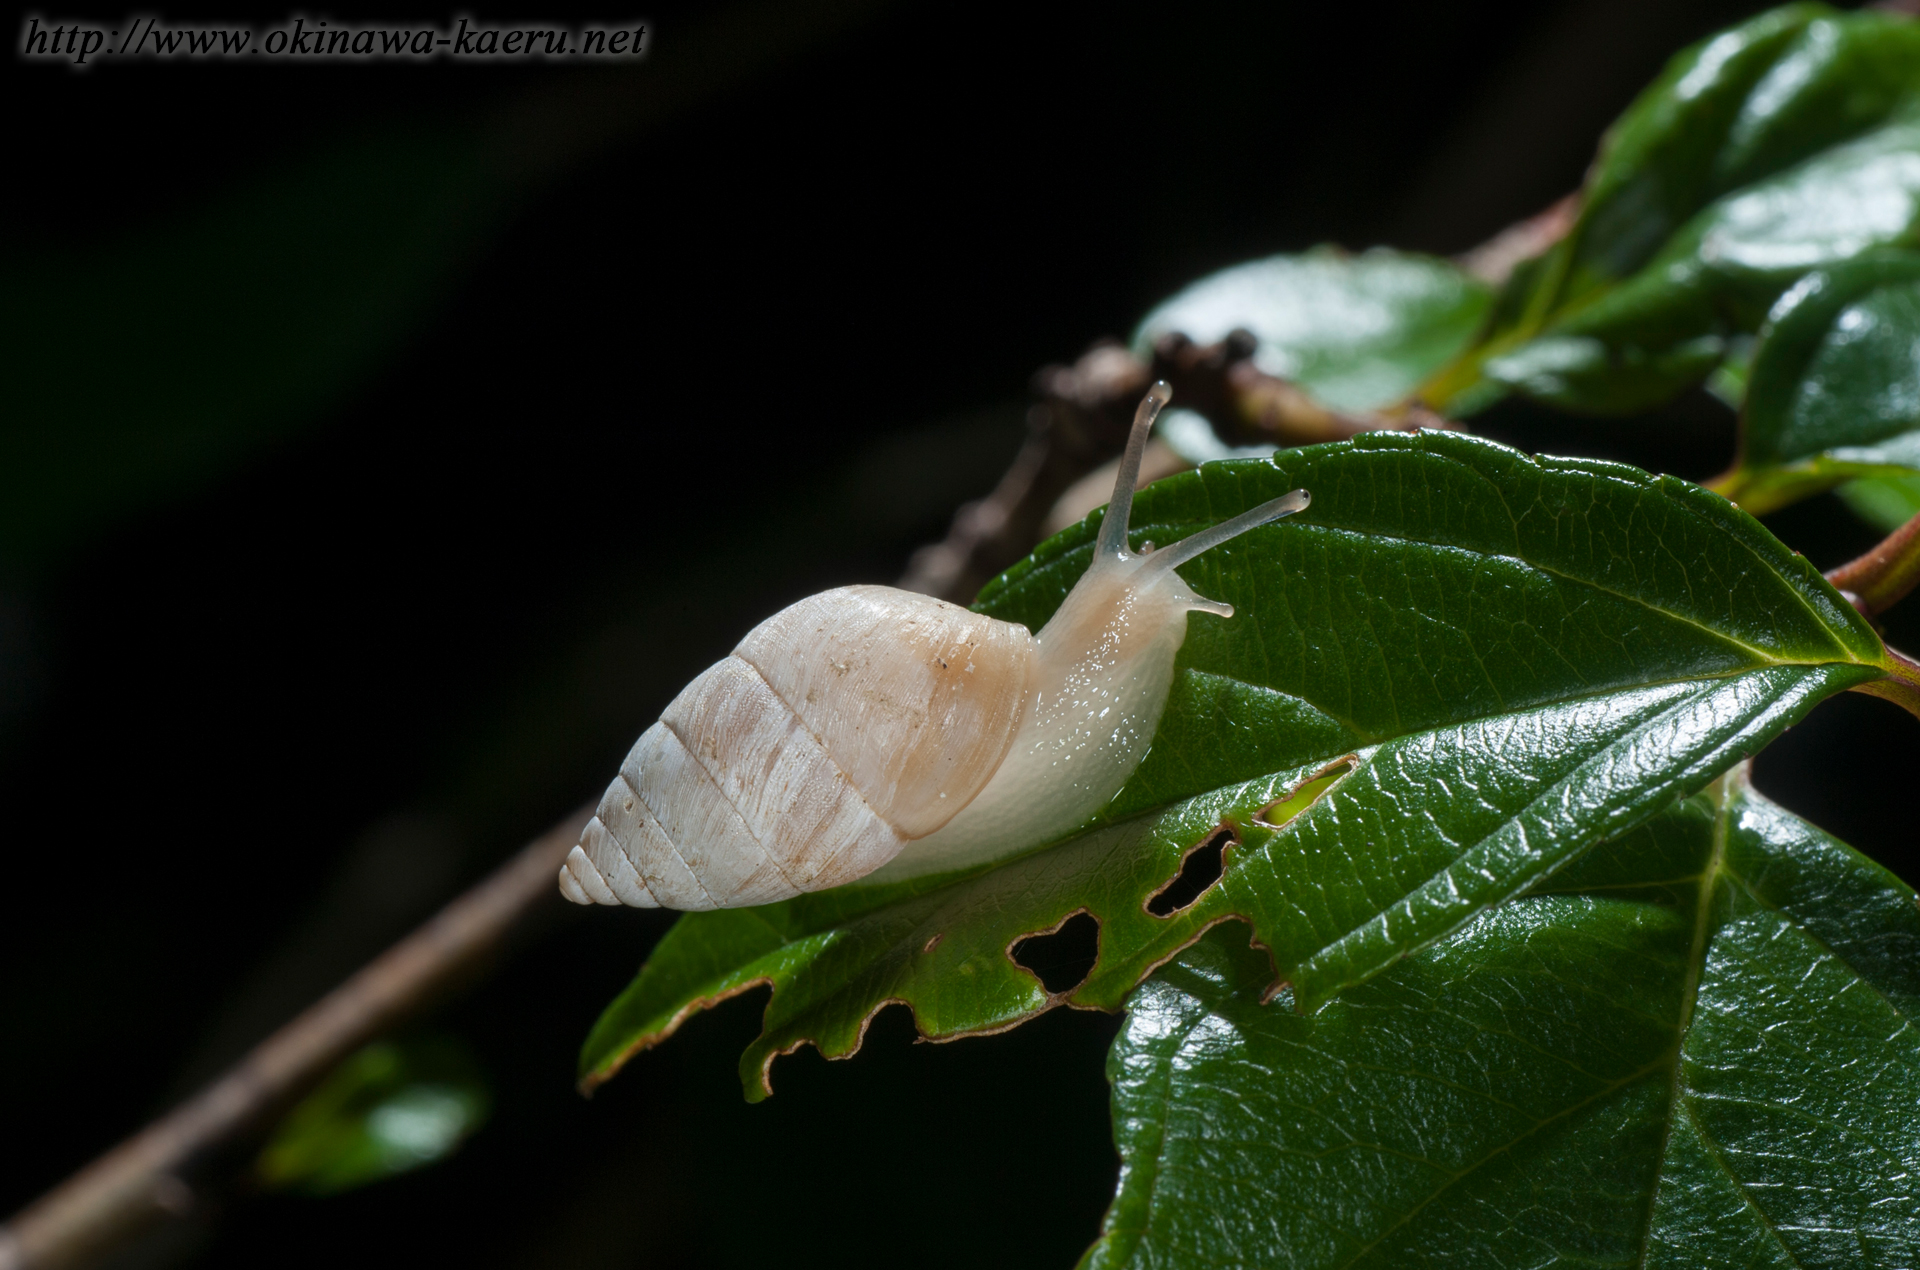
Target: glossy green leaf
1357, 332
1730, 112
1789, 143
392, 1107
1668, 326
1834, 391
1453, 673
1694, 1048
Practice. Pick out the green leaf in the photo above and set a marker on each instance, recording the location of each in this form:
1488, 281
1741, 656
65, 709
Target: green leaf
1731, 111
1887, 502
1591, 372
1357, 332
1694, 1048
1789, 143
391, 1108
1835, 387
1728, 381
1453, 673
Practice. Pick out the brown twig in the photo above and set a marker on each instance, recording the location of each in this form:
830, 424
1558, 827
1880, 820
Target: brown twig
1493, 261
1085, 408
1082, 420
1881, 578
1875, 582
1902, 687
167, 1171
988, 535
160, 1174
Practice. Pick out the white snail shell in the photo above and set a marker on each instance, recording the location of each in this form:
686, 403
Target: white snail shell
872, 731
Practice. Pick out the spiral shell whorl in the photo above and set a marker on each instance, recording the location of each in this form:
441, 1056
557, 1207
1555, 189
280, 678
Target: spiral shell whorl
840, 729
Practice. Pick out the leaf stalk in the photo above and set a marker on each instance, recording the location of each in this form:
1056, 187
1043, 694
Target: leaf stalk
1881, 577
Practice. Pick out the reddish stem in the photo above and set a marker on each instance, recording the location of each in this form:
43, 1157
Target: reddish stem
1881, 578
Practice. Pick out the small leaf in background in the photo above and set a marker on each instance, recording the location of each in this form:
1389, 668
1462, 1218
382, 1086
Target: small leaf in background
1358, 332
1885, 502
1737, 108
1533, 653
1188, 434
1728, 381
1789, 143
1694, 1048
1834, 390
1586, 372
392, 1107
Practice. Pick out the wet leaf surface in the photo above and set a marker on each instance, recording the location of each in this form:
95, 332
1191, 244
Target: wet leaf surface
1789, 143
1358, 332
1835, 387
1450, 676
1695, 1047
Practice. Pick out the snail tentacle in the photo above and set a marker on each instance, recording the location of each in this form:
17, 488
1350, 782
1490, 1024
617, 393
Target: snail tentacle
867, 732
1112, 543
1171, 557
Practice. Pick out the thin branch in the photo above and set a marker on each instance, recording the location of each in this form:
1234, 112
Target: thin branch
1082, 421
1493, 261
1881, 578
1902, 687
168, 1170
157, 1175
1084, 409
987, 535
1875, 582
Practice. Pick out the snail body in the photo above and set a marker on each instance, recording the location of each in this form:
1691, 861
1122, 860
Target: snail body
872, 732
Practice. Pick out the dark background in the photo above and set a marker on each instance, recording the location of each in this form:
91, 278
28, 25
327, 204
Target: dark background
643, 354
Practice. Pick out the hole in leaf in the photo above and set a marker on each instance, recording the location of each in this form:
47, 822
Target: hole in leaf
1062, 958
1304, 795
1199, 870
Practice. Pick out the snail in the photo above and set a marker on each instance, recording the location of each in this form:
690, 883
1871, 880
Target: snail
868, 732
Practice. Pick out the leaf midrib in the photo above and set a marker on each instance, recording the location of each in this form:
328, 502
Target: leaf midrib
1596, 1096
1747, 1201
1375, 741
1689, 994
1768, 567
1754, 650
1365, 750
1680, 1099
